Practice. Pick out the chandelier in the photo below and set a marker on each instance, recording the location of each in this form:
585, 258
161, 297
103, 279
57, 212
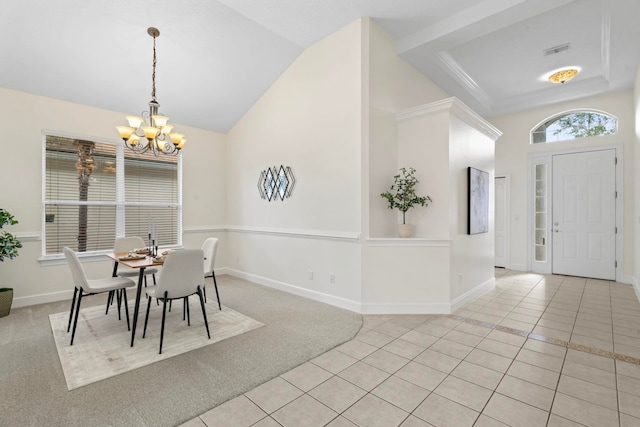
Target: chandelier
151, 131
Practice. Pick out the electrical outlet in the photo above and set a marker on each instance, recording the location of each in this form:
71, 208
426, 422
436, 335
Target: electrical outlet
460, 278
310, 274
332, 278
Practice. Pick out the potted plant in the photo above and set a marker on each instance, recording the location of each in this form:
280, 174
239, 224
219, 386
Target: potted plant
9, 246
402, 196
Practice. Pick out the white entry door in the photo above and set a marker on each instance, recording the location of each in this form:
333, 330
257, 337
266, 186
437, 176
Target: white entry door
500, 222
584, 214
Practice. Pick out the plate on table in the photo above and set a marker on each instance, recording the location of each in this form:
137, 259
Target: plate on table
142, 251
131, 257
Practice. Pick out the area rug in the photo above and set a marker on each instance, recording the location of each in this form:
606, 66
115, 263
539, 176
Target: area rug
101, 348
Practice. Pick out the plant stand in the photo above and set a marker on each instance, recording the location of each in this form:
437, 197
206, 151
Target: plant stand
6, 298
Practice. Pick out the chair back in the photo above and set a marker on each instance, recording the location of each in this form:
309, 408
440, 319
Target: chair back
129, 243
77, 271
210, 247
181, 273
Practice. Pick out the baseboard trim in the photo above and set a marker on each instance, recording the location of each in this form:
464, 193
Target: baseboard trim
406, 308
636, 287
628, 280
459, 302
295, 290
365, 308
41, 299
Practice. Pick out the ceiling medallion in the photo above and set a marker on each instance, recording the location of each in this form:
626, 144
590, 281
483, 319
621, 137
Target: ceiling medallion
563, 75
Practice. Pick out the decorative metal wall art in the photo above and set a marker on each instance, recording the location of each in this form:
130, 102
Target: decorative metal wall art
276, 183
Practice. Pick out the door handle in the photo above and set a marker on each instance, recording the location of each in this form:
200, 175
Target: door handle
555, 230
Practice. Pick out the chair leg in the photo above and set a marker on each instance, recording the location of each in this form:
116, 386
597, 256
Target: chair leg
154, 282
215, 285
119, 296
75, 321
109, 301
73, 303
204, 313
186, 305
184, 310
164, 315
126, 307
170, 301
204, 291
146, 317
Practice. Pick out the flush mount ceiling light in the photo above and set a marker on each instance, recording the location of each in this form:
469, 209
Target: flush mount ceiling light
563, 75
151, 131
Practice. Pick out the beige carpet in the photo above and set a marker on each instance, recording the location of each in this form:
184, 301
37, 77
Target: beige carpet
101, 348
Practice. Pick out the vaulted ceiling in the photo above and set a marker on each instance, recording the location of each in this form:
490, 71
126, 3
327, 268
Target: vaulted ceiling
217, 57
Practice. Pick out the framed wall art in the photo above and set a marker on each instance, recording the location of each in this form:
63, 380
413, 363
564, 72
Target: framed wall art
478, 201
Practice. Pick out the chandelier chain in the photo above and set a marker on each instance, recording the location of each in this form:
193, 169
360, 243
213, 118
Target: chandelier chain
153, 74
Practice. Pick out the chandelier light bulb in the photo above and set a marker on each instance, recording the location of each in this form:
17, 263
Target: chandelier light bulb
134, 121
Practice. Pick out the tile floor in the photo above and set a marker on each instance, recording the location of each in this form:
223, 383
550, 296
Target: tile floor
534, 351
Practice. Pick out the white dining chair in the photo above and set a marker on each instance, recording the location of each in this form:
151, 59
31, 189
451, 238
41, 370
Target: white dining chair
84, 287
210, 248
181, 277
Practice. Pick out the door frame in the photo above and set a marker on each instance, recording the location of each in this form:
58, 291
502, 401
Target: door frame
507, 216
546, 157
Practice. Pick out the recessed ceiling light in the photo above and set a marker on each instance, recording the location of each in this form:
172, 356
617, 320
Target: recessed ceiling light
562, 75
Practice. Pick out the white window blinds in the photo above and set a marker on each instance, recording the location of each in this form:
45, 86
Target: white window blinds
96, 191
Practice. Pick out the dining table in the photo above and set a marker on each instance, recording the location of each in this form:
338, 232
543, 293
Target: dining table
136, 261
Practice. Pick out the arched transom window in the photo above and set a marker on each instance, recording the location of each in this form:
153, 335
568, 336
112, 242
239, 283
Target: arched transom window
573, 125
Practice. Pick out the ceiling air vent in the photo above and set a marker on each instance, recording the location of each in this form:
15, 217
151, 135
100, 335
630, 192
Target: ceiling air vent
556, 49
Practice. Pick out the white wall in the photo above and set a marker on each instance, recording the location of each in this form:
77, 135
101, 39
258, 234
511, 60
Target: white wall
393, 275
310, 120
636, 180
394, 85
443, 266
513, 148
24, 117
472, 256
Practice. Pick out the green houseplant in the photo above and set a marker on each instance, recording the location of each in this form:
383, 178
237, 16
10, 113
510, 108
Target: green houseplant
9, 246
402, 196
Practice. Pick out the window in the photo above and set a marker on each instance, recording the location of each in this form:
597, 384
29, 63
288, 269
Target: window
96, 191
573, 125
540, 211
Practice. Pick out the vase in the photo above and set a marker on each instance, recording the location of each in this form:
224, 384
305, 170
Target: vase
406, 230
6, 298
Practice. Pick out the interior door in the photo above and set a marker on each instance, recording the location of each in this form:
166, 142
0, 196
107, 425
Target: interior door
584, 214
500, 222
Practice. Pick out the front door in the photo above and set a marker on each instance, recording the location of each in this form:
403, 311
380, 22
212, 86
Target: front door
584, 214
